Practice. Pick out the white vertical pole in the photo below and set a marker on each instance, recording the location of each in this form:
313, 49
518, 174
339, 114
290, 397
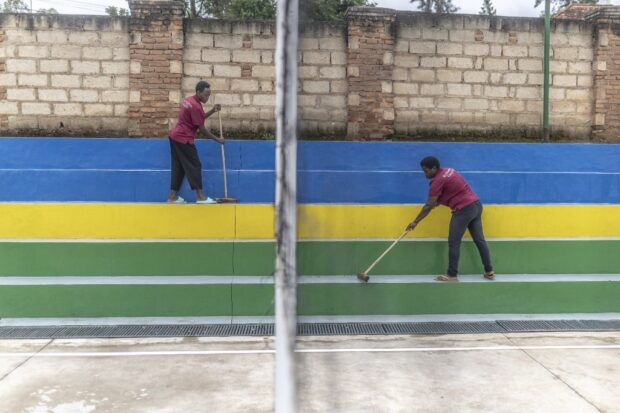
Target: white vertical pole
286, 205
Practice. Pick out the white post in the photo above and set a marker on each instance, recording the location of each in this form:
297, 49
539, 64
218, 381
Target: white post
286, 205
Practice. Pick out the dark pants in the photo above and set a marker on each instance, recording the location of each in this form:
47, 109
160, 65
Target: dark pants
184, 161
469, 218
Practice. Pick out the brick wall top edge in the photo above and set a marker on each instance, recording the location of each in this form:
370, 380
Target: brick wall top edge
221, 26
63, 22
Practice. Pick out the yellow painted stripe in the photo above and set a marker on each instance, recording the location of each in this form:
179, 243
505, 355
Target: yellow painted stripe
161, 221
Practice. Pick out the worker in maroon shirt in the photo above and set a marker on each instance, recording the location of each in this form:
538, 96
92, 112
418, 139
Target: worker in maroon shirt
449, 188
184, 156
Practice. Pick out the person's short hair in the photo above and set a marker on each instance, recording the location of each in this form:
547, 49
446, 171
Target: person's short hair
202, 85
429, 162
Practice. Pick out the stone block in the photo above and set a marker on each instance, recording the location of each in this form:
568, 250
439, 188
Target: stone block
65, 81
332, 43
121, 110
432, 90
312, 86
21, 66
433, 62
115, 96
32, 80
406, 60
476, 76
585, 81
515, 51
246, 56
66, 52
264, 100
579, 94
566, 53
115, 68
134, 96
448, 75
175, 67
580, 68
339, 86
97, 53
8, 108
494, 64
98, 109
84, 38
200, 70
460, 63
434, 117
530, 65
422, 47
244, 85
514, 78
96, 82
337, 102
399, 73
476, 104
512, 105
494, 118
82, 95
449, 103
269, 42
38, 108
266, 57
227, 99
114, 38
265, 72
8, 79
401, 88
458, 89
476, 49
339, 58
449, 48
53, 95
332, 72
304, 72
400, 102
564, 80
20, 94
227, 41
38, 52
54, 66
228, 71
319, 58
496, 91
52, 36
85, 67
120, 53
135, 67
528, 93
215, 55
586, 54
435, 33
309, 100
563, 106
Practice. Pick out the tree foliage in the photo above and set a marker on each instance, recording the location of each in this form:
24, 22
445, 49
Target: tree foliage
48, 11
116, 11
317, 10
487, 8
559, 4
15, 6
436, 6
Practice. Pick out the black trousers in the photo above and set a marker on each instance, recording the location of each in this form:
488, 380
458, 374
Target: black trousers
469, 218
184, 162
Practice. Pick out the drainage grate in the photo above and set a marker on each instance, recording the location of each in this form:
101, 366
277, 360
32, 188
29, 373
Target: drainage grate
307, 329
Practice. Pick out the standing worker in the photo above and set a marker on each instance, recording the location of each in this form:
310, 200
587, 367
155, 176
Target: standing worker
449, 188
183, 153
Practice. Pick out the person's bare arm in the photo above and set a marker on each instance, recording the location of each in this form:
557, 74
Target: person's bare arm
431, 203
207, 133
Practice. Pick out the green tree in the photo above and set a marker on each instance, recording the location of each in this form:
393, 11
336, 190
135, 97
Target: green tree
436, 6
116, 11
47, 11
317, 10
487, 8
559, 4
15, 6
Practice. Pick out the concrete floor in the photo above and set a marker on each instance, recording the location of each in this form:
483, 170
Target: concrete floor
490, 373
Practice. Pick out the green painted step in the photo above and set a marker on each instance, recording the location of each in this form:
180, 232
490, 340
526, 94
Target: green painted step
313, 299
314, 258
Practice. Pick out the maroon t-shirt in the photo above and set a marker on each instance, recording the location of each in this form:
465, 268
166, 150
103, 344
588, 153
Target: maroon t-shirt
191, 116
451, 189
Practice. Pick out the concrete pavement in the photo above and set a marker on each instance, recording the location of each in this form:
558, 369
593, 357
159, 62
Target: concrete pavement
530, 372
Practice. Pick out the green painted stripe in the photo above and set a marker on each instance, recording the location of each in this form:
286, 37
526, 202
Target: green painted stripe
314, 258
313, 299
115, 301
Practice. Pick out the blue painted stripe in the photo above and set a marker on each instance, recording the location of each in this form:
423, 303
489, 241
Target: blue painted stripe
136, 170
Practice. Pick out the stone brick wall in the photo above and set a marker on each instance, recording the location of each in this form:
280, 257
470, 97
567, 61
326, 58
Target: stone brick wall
237, 58
467, 75
64, 74
381, 72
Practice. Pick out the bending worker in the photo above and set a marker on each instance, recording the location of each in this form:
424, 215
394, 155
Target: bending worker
183, 154
449, 188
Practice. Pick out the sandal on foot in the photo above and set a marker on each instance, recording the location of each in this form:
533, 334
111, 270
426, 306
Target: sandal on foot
178, 200
489, 275
446, 278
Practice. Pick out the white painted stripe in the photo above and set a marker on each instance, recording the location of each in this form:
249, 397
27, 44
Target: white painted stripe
52, 354
307, 279
115, 321
331, 171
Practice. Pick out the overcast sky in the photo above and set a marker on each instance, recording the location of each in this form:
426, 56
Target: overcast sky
503, 7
